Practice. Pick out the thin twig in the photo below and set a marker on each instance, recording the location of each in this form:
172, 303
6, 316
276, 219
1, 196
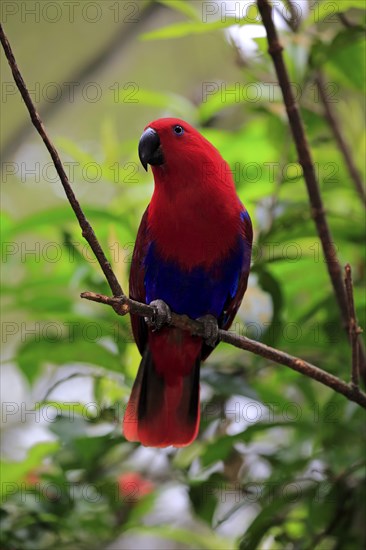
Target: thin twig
356, 26
354, 329
294, 20
353, 393
342, 145
305, 160
71, 376
87, 230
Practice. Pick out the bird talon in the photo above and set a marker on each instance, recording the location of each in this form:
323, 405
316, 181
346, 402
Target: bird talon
210, 329
162, 315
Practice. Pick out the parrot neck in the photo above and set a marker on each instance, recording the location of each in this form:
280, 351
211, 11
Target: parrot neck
194, 224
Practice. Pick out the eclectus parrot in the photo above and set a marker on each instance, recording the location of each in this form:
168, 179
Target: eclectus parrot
192, 256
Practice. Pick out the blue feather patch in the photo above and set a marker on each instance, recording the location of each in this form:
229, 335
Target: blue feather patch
199, 291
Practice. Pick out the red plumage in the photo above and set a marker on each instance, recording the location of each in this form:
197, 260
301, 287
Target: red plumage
192, 251
194, 211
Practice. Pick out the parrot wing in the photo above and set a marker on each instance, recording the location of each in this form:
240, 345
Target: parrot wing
236, 294
137, 285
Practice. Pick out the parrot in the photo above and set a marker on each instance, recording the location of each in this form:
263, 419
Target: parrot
191, 256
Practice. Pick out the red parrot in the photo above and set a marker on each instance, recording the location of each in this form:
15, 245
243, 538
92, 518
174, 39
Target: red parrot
191, 256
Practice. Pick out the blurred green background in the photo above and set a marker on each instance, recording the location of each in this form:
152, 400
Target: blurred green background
279, 461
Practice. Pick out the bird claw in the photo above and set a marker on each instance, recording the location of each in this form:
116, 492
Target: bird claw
162, 315
210, 329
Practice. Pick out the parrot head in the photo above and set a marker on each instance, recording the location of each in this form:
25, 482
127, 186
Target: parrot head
171, 144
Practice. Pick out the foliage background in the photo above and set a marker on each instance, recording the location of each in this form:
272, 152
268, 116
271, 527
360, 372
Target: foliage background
279, 462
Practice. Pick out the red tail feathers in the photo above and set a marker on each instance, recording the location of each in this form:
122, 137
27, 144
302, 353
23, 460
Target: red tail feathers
164, 406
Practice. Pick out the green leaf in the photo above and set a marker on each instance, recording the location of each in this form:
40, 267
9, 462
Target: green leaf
348, 45
142, 508
33, 355
181, 6
13, 472
89, 450
219, 99
60, 216
180, 105
269, 283
221, 447
267, 518
177, 30
204, 500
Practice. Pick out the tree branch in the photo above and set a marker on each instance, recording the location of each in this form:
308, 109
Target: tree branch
342, 145
305, 160
87, 230
122, 305
352, 392
294, 20
354, 329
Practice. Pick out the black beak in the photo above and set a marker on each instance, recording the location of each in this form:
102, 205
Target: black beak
150, 151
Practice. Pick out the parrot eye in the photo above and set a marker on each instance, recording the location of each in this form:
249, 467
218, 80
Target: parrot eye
178, 130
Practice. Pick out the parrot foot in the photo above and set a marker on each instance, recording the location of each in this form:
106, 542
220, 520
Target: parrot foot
162, 316
210, 329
